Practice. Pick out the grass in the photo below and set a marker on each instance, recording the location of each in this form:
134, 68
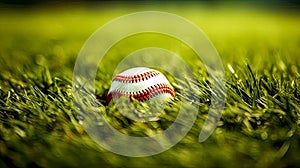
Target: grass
259, 126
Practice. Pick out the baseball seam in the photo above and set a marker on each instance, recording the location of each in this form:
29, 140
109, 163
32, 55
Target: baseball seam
136, 78
144, 94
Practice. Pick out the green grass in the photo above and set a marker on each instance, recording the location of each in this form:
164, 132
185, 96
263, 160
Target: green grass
259, 126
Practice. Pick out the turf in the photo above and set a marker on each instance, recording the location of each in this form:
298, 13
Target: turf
259, 126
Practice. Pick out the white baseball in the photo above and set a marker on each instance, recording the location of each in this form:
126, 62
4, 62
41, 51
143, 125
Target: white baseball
142, 84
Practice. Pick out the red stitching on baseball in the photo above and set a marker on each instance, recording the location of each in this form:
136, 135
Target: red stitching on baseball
135, 78
142, 95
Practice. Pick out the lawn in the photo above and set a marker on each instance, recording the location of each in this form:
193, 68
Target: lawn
260, 124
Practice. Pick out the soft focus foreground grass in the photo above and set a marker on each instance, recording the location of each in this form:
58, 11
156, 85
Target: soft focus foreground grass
259, 126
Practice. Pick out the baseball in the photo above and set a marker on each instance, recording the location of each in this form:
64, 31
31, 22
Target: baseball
141, 84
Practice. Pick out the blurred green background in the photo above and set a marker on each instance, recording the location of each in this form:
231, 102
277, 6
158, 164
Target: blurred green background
40, 41
236, 29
